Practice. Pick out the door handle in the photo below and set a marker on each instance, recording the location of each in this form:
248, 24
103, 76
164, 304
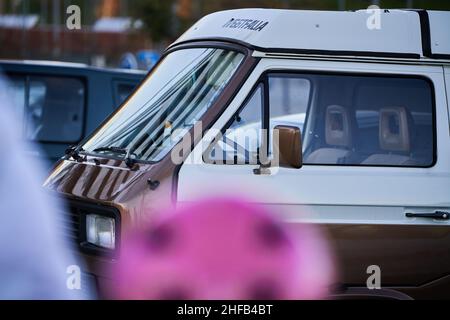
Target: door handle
438, 215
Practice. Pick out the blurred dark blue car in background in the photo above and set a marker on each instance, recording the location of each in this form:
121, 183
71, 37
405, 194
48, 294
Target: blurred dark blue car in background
61, 103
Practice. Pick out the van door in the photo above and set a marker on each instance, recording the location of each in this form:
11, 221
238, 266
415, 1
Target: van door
376, 175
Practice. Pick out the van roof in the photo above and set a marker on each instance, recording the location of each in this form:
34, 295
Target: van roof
379, 33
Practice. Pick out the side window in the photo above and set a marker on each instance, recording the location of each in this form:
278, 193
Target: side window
55, 109
241, 141
349, 120
371, 121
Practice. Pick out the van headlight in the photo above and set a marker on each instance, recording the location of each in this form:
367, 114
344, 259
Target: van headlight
100, 231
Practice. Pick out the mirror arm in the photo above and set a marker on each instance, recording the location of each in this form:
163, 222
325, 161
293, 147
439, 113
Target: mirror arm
263, 170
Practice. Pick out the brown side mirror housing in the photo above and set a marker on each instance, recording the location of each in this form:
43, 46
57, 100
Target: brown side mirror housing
287, 147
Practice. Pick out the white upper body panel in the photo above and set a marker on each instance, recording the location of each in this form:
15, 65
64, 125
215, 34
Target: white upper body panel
364, 32
439, 30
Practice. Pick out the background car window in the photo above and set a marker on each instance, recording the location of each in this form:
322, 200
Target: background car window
123, 91
35, 110
55, 109
17, 92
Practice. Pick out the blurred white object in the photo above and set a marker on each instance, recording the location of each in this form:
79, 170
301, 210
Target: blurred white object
33, 259
116, 24
19, 21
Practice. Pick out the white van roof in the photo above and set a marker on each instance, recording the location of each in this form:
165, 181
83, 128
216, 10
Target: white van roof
397, 33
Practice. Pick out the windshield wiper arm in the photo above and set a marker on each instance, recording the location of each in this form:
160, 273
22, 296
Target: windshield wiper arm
74, 153
129, 161
112, 149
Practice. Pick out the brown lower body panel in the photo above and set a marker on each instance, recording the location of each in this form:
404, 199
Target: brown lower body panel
414, 261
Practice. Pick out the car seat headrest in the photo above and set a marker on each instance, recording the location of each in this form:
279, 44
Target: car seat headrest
394, 129
337, 127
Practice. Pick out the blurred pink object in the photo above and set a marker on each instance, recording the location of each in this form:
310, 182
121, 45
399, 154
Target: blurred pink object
223, 249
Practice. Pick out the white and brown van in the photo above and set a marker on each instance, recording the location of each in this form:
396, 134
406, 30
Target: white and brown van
360, 103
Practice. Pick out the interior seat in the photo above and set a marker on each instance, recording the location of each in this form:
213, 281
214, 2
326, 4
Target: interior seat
394, 138
338, 137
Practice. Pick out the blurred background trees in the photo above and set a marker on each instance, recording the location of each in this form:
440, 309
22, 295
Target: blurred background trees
114, 27
180, 14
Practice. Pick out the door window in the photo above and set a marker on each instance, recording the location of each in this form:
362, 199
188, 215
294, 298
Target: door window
241, 141
288, 100
289, 97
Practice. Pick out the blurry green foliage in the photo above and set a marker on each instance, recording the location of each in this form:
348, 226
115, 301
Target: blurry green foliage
158, 17
162, 26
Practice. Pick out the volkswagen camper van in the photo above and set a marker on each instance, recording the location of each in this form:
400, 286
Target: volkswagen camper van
360, 108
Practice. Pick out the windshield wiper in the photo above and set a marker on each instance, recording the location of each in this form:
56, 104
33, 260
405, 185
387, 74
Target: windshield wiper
74, 153
129, 160
112, 150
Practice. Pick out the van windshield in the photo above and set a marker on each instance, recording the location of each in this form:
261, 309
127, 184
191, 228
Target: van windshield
167, 105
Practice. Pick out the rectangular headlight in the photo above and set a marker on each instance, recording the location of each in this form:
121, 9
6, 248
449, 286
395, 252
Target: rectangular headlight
100, 231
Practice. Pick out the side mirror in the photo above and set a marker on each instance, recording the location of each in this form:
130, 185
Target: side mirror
287, 147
